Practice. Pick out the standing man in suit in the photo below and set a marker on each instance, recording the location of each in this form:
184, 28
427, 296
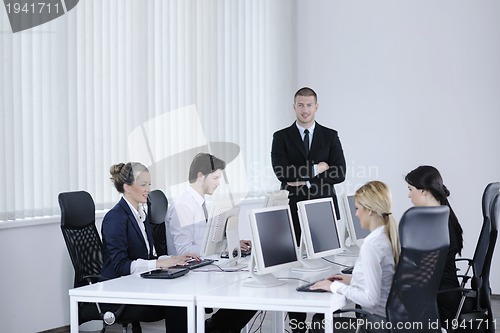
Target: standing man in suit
308, 160
307, 157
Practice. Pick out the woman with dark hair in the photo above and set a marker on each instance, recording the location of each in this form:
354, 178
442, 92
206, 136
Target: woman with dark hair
426, 188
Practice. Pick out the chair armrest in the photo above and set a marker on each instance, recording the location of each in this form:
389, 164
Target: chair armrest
442, 291
94, 278
464, 259
465, 292
358, 311
464, 278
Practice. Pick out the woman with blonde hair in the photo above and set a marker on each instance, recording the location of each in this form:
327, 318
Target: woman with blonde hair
128, 244
371, 279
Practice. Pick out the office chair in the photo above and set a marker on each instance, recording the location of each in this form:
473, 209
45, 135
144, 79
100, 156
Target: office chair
85, 250
157, 211
475, 304
478, 259
412, 299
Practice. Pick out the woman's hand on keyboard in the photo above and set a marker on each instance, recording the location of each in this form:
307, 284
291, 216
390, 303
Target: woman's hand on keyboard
322, 285
346, 279
326, 283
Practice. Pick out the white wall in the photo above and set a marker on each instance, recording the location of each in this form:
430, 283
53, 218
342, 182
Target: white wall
408, 83
36, 276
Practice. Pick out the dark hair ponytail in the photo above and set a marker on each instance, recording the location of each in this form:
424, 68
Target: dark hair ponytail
428, 178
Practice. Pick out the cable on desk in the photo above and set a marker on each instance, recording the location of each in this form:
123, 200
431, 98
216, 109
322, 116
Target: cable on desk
335, 263
293, 278
220, 269
208, 270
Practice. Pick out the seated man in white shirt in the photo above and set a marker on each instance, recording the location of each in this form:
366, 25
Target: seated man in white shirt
187, 220
187, 217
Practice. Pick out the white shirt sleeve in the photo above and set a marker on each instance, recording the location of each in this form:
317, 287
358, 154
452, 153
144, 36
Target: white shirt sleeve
369, 294
139, 266
335, 286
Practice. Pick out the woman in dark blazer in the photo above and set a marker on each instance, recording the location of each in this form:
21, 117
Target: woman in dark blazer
128, 245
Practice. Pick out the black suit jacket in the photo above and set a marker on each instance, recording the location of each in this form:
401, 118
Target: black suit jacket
123, 241
290, 163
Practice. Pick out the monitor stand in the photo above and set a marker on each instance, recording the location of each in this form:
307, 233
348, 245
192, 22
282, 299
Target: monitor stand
260, 281
233, 246
350, 249
309, 265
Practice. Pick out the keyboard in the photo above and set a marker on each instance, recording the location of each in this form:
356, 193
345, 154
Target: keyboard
305, 287
165, 273
347, 270
196, 264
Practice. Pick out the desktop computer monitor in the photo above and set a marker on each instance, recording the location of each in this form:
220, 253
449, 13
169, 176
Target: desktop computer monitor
355, 234
320, 231
219, 232
273, 245
279, 198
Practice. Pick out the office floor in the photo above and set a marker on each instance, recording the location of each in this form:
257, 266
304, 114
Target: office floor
158, 327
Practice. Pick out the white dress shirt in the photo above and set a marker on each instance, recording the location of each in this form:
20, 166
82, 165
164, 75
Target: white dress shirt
186, 222
372, 275
140, 265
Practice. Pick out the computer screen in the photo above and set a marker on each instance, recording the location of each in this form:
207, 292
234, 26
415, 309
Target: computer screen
353, 225
215, 240
279, 198
319, 228
273, 241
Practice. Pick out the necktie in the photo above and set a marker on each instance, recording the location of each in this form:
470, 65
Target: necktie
306, 141
204, 206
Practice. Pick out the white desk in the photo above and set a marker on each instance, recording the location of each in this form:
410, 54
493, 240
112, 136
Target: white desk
284, 298
133, 289
209, 289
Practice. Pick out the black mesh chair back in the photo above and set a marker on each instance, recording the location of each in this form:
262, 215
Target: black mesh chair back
85, 250
481, 261
475, 306
490, 192
157, 211
486, 291
475, 303
424, 245
481, 281
80, 234
479, 257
